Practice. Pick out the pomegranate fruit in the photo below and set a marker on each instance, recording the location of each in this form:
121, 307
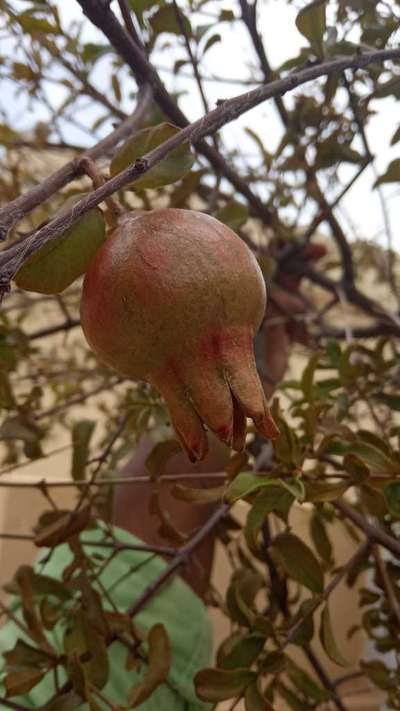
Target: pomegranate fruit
174, 297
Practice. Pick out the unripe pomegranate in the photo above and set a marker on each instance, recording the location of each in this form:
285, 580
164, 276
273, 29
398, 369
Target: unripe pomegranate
174, 297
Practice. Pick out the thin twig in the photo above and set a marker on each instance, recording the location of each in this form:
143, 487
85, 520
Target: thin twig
180, 559
12, 258
117, 481
116, 546
358, 556
22, 205
387, 583
373, 533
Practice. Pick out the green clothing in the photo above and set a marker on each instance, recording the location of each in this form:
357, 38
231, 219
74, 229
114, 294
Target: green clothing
175, 606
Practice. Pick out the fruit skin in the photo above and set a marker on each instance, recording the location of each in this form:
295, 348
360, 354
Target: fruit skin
174, 297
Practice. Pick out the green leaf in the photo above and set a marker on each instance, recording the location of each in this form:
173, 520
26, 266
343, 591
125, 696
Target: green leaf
274, 662
357, 469
91, 52
141, 6
36, 26
166, 20
291, 698
320, 539
305, 683
83, 640
7, 134
391, 492
62, 260
210, 43
392, 401
240, 595
160, 455
22, 681
176, 164
378, 672
219, 685
159, 663
272, 498
226, 16
254, 701
286, 445
6, 395
23, 71
246, 483
395, 137
116, 87
24, 428
234, 214
299, 561
40, 585
304, 633
241, 651
328, 640
373, 501
24, 655
66, 525
307, 378
198, 496
392, 174
65, 702
311, 22
267, 157
374, 458
320, 491
81, 434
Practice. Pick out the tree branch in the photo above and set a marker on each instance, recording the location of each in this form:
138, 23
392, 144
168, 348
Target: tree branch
100, 14
180, 559
250, 20
22, 205
373, 533
115, 481
12, 258
169, 571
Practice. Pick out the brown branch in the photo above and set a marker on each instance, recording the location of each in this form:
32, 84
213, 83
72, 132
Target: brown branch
326, 680
127, 17
18, 208
279, 591
101, 15
249, 17
78, 399
52, 330
385, 215
88, 166
88, 88
250, 20
114, 545
386, 583
373, 533
192, 58
359, 555
12, 258
379, 329
180, 559
351, 292
214, 476
324, 214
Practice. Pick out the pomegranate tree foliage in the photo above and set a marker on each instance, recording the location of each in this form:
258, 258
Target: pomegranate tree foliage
339, 423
